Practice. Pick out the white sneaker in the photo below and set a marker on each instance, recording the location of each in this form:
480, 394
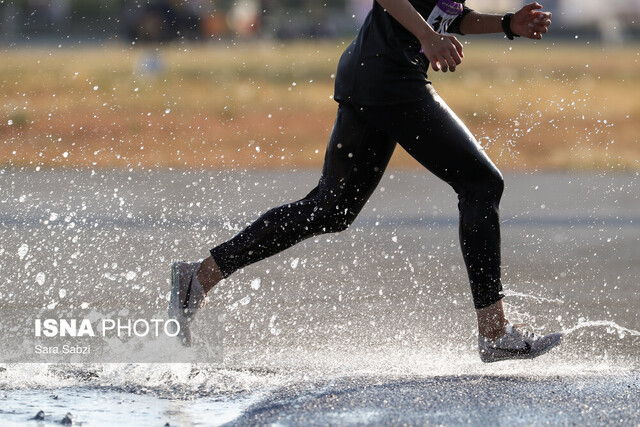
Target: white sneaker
516, 343
187, 296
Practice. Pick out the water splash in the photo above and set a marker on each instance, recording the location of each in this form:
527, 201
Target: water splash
611, 327
536, 298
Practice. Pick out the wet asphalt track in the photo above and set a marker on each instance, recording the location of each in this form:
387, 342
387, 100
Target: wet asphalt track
370, 326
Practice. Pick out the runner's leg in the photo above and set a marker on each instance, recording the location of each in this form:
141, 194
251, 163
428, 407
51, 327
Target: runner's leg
355, 160
434, 136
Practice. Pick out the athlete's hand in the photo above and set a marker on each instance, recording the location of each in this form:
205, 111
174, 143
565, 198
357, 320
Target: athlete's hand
443, 52
530, 22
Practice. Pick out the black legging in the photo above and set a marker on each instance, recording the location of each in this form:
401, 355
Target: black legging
361, 143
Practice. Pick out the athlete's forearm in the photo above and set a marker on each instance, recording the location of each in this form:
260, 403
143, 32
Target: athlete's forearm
481, 23
528, 22
403, 12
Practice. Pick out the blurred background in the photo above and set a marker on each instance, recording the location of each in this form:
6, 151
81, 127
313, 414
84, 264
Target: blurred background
223, 84
165, 20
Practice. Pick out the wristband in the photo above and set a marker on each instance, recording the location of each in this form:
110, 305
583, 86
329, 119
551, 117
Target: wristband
506, 26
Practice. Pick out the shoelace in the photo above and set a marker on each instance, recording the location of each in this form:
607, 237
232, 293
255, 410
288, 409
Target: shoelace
525, 330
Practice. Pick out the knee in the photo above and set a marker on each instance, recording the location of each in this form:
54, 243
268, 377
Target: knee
490, 186
487, 188
495, 185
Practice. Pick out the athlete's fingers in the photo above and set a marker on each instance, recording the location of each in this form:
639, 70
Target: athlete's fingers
458, 47
453, 59
456, 58
434, 64
444, 66
538, 28
451, 64
532, 6
542, 21
452, 56
545, 22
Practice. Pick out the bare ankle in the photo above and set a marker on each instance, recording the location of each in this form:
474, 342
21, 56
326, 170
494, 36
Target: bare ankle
209, 274
491, 321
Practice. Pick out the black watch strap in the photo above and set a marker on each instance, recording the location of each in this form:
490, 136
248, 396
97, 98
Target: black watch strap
506, 26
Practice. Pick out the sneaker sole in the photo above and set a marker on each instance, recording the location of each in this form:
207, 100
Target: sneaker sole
175, 310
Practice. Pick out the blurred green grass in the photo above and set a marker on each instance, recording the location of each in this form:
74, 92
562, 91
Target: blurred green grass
532, 105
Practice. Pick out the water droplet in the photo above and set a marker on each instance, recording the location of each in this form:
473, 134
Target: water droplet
272, 327
255, 284
22, 250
